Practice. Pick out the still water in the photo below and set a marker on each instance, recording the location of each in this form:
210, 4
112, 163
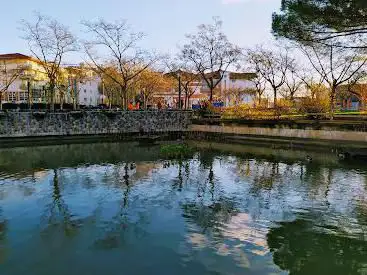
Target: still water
117, 208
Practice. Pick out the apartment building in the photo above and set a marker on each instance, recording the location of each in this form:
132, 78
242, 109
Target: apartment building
29, 79
27, 72
85, 85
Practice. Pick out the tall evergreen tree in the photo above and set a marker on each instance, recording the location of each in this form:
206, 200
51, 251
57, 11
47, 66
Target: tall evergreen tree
323, 21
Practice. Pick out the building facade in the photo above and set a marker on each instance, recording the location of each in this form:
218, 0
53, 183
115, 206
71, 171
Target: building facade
76, 85
28, 75
89, 92
351, 97
233, 89
86, 84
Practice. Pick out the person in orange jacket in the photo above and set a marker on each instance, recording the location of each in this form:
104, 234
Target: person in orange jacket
130, 107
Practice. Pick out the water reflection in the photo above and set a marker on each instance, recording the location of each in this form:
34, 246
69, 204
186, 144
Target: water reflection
300, 247
103, 208
58, 214
3, 233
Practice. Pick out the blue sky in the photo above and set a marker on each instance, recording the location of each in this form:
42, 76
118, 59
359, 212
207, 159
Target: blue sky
165, 22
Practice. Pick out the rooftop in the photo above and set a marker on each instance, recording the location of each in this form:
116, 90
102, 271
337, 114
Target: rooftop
12, 56
215, 75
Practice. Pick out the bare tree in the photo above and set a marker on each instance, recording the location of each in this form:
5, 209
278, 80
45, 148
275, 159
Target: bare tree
71, 81
121, 45
292, 84
108, 87
336, 66
260, 87
184, 76
49, 41
210, 53
9, 73
150, 82
190, 87
272, 66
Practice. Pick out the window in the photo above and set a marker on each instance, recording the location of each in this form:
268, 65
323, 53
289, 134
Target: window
23, 96
36, 94
12, 96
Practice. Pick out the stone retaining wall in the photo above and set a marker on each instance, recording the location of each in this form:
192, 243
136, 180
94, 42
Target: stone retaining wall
27, 124
326, 135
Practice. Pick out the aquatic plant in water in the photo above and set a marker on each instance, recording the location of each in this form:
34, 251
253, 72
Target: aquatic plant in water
175, 151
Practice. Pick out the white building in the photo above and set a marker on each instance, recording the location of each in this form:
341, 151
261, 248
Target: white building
89, 94
23, 73
31, 80
232, 83
23, 76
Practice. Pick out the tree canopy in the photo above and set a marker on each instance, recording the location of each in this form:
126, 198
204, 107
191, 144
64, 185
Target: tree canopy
210, 53
323, 21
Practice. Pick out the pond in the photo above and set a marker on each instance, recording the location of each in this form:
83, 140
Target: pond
117, 208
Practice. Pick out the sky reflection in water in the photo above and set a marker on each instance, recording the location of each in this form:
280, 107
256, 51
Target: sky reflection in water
115, 208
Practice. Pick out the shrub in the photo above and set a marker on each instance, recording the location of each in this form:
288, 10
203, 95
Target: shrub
245, 111
207, 108
312, 106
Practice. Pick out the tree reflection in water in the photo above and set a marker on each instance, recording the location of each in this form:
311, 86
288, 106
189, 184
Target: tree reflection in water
126, 223
301, 248
210, 217
59, 215
229, 213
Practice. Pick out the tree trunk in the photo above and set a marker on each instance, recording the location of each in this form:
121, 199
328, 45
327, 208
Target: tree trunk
61, 102
275, 97
332, 101
124, 98
291, 97
211, 94
259, 100
74, 103
145, 102
126, 101
52, 99
1, 101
